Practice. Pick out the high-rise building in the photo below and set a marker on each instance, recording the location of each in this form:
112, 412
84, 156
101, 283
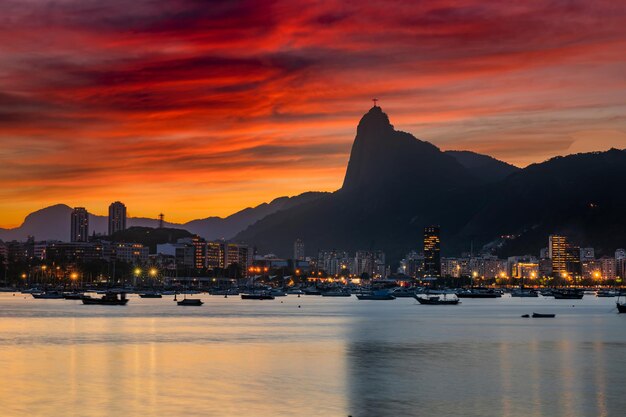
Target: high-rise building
557, 252
117, 217
199, 252
432, 251
79, 225
298, 250
215, 255
620, 263
587, 254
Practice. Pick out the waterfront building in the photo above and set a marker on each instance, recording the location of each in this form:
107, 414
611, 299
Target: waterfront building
607, 267
334, 261
488, 266
78, 252
298, 250
620, 263
215, 255
117, 217
451, 267
369, 262
236, 253
134, 253
565, 257
79, 225
432, 251
412, 265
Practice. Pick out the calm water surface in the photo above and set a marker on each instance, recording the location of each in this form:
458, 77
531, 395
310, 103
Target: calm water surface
330, 357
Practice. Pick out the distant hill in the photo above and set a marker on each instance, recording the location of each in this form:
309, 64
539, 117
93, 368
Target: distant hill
53, 223
483, 167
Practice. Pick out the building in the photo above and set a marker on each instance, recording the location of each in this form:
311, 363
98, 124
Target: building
620, 263
298, 250
333, 261
215, 255
412, 265
451, 267
369, 262
488, 266
432, 251
236, 253
587, 254
134, 253
607, 268
77, 252
199, 252
79, 225
117, 217
565, 257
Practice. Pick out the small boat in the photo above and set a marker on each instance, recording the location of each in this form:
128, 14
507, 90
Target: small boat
537, 315
479, 293
31, 291
73, 295
568, 294
525, 316
278, 293
312, 291
48, 295
621, 308
524, 293
436, 300
108, 299
151, 295
190, 302
606, 294
376, 295
296, 291
403, 292
338, 293
260, 296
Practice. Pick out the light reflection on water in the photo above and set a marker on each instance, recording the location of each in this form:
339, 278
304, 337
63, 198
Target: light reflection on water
331, 357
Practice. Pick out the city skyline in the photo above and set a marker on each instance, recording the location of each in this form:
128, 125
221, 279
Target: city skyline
257, 108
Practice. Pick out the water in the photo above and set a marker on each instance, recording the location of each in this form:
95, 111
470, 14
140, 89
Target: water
330, 357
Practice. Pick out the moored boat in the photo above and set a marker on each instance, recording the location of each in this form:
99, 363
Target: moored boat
436, 300
336, 293
48, 295
568, 294
190, 302
260, 296
621, 308
151, 295
376, 295
108, 299
478, 293
73, 295
538, 315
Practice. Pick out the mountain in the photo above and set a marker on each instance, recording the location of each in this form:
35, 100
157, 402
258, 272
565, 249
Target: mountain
579, 195
484, 167
396, 184
53, 223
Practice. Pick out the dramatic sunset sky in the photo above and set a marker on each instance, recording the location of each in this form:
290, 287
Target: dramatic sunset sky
198, 108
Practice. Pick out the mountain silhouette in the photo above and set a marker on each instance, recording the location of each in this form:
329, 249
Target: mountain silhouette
53, 222
396, 184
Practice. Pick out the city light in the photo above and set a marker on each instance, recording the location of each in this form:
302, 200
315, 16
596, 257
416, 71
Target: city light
153, 272
137, 271
73, 276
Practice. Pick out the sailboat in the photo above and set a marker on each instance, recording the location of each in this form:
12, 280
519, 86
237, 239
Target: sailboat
188, 301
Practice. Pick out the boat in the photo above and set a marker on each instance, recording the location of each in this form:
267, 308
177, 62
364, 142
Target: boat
403, 292
537, 315
312, 291
336, 293
190, 302
73, 295
151, 295
568, 294
478, 293
376, 295
108, 299
525, 316
621, 308
436, 300
259, 296
605, 293
296, 291
48, 295
522, 292
278, 292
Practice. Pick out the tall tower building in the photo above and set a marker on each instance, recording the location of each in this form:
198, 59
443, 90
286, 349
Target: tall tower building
557, 252
117, 217
432, 251
298, 250
79, 225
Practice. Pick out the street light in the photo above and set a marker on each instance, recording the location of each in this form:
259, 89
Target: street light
137, 271
153, 272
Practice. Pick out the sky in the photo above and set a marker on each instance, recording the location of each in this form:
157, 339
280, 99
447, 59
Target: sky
198, 108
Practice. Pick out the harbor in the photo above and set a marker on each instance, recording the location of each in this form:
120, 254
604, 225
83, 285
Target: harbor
311, 356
